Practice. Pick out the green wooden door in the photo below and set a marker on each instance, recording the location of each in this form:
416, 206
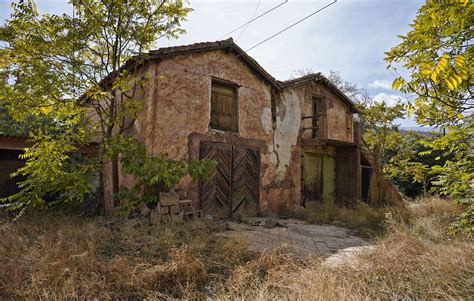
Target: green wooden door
319, 178
329, 178
312, 178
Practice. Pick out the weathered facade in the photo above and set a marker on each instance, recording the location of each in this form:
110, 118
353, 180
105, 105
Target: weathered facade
278, 144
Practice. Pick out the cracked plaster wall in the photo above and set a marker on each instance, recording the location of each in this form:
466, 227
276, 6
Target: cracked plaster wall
178, 105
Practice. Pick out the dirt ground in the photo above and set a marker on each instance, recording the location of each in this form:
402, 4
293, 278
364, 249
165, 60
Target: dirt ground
294, 235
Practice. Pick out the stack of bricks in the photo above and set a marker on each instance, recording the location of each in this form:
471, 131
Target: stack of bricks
189, 213
170, 204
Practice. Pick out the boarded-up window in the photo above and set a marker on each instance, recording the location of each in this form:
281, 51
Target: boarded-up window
224, 107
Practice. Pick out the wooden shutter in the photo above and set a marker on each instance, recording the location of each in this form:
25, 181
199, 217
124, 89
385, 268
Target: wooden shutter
223, 108
316, 110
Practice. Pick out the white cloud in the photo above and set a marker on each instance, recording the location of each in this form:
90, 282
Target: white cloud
335, 39
391, 99
381, 84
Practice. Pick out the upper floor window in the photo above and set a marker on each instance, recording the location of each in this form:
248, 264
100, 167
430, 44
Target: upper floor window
224, 107
316, 109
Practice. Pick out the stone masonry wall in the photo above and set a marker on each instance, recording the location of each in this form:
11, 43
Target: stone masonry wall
333, 124
177, 110
178, 106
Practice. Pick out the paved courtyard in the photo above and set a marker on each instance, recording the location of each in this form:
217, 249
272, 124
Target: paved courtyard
296, 236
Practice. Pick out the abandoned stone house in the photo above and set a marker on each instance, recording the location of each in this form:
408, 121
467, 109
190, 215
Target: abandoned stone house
278, 144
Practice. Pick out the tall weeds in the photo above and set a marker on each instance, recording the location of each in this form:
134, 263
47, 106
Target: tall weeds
59, 257
368, 221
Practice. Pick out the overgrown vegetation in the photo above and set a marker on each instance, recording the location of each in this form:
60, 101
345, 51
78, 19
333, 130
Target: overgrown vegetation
438, 54
367, 221
150, 171
409, 164
380, 135
58, 257
63, 87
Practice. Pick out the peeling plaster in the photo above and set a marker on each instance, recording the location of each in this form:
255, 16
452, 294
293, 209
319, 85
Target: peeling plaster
266, 118
273, 158
286, 132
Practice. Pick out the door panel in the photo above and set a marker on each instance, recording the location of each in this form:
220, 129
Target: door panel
235, 184
215, 194
245, 179
329, 178
312, 179
319, 178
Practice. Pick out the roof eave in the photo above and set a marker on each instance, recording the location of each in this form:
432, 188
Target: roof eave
318, 77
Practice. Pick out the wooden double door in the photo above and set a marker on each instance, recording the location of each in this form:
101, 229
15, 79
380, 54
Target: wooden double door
235, 184
318, 177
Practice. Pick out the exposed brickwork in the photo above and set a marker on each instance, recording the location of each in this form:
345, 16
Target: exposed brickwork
176, 118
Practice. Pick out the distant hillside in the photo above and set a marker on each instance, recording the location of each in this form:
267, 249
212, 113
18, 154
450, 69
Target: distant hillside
419, 129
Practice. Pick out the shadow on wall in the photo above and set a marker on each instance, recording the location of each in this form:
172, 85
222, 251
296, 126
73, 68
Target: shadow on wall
9, 163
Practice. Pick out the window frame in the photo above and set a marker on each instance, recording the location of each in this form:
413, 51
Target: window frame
316, 112
233, 88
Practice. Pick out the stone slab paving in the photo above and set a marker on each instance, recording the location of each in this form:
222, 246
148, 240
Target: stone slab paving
298, 237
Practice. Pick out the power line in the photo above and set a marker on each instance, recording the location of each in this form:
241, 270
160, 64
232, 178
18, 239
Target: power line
292, 25
253, 16
253, 19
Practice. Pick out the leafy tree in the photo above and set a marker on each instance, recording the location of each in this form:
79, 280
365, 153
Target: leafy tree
8, 125
67, 70
150, 171
410, 163
380, 134
438, 53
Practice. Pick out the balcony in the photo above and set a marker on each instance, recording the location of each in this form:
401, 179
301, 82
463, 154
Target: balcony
314, 132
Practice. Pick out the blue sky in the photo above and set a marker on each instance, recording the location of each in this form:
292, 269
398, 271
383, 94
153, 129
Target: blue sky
350, 36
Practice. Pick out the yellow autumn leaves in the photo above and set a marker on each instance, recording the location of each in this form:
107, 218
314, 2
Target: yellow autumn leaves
453, 69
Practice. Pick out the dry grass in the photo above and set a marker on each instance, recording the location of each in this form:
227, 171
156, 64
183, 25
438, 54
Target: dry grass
402, 268
57, 257
415, 259
431, 216
366, 220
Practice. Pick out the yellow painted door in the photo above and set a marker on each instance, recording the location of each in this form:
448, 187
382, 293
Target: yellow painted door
312, 177
329, 178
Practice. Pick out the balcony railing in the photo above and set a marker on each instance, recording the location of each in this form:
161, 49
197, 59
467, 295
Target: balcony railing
314, 132
313, 128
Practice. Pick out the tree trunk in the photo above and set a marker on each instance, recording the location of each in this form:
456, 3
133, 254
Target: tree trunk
101, 206
378, 196
115, 176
